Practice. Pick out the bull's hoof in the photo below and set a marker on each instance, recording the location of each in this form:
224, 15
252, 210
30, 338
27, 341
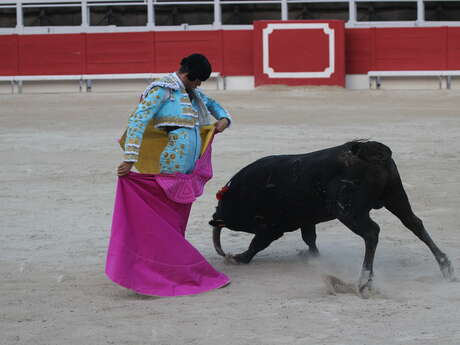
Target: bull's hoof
448, 273
237, 259
446, 267
365, 290
365, 284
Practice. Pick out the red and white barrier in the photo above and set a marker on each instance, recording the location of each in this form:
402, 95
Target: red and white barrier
274, 52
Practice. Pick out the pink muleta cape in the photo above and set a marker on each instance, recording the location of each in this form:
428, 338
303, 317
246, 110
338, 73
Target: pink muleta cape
148, 252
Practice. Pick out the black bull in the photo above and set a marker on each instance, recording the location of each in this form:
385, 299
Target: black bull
278, 194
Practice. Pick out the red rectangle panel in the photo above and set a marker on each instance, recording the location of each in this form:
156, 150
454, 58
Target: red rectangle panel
453, 48
51, 54
358, 50
410, 49
120, 53
306, 52
238, 56
9, 55
171, 47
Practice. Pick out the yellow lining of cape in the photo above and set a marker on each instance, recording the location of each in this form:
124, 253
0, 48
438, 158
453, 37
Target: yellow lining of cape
153, 143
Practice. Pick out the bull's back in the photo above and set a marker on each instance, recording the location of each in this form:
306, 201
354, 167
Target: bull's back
277, 168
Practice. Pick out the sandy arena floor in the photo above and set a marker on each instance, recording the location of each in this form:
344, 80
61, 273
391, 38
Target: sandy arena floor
59, 155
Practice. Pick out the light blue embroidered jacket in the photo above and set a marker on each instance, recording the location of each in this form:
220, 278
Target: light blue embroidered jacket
166, 103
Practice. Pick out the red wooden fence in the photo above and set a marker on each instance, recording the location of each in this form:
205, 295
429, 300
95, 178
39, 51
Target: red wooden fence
230, 52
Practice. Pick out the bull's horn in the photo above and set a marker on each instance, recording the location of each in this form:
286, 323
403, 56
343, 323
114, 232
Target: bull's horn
216, 240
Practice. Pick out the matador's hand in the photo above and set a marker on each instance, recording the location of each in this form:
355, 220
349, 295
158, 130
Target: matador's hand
222, 124
124, 168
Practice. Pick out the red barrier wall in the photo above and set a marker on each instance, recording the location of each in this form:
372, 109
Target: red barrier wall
237, 52
359, 50
113, 53
9, 55
453, 48
387, 49
171, 47
51, 54
415, 49
231, 52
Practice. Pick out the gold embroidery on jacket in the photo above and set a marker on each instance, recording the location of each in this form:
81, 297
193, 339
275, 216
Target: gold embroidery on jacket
130, 157
133, 141
173, 121
189, 110
131, 150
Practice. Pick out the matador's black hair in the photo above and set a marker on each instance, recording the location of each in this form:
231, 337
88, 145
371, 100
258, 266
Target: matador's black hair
197, 66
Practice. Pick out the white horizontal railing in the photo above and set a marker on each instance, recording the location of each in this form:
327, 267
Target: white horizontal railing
443, 75
87, 79
216, 23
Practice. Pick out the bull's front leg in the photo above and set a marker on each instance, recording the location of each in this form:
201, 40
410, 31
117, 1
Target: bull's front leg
413, 223
365, 227
396, 202
260, 241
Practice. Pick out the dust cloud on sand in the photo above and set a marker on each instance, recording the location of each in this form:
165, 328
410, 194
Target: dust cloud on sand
59, 154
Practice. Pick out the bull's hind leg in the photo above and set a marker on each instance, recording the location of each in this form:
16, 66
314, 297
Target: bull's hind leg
260, 241
396, 202
309, 237
365, 227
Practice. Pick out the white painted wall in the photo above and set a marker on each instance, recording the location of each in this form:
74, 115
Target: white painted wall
455, 83
357, 81
6, 88
410, 83
239, 83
